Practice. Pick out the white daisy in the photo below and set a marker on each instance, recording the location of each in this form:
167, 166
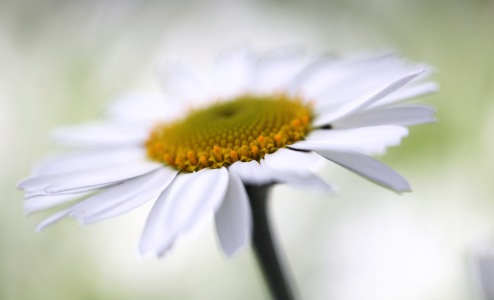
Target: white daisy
258, 121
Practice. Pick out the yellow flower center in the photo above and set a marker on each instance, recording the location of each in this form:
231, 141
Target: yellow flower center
245, 129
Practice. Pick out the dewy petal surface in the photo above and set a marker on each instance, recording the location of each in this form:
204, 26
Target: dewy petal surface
124, 197
185, 203
369, 168
233, 219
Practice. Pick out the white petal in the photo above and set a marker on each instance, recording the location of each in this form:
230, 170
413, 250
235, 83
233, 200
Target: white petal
186, 202
92, 159
295, 168
274, 72
233, 73
356, 80
369, 168
287, 160
60, 182
365, 83
143, 107
53, 218
117, 174
329, 74
404, 115
366, 139
251, 172
101, 134
407, 93
233, 219
39, 203
358, 104
124, 197
187, 85
38, 193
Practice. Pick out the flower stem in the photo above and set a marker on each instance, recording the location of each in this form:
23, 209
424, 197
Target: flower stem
264, 246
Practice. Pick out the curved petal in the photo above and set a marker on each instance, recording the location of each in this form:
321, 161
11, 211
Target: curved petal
124, 197
348, 107
101, 134
407, 93
233, 219
186, 202
350, 75
86, 179
142, 108
404, 115
94, 188
360, 79
369, 168
295, 168
52, 219
66, 181
251, 172
40, 203
290, 161
186, 84
366, 139
233, 73
274, 72
91, 159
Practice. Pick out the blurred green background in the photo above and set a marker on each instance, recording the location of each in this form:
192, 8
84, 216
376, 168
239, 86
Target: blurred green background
62, 61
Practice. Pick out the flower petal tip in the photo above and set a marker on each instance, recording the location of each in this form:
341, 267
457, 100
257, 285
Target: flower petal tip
407, 189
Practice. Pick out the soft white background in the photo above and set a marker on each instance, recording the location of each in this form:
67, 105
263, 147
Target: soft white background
61, 62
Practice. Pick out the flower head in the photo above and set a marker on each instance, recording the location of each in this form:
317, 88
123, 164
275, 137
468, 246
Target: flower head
261, 120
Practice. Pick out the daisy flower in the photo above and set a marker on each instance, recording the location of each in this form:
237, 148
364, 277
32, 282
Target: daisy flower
257, 121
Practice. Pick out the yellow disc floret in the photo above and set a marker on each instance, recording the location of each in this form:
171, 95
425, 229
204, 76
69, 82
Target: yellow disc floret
245, 129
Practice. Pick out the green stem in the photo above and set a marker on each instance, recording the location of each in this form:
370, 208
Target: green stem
267, 256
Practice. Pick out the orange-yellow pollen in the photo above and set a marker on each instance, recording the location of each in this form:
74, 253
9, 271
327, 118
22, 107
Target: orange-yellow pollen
192, 157
262, 140
255, 152
217, 153
168, 159
179, 163
204, 161
234, 156
278, 140
242, 129
296, 136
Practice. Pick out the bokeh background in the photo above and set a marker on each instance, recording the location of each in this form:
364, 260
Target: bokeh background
61, 62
